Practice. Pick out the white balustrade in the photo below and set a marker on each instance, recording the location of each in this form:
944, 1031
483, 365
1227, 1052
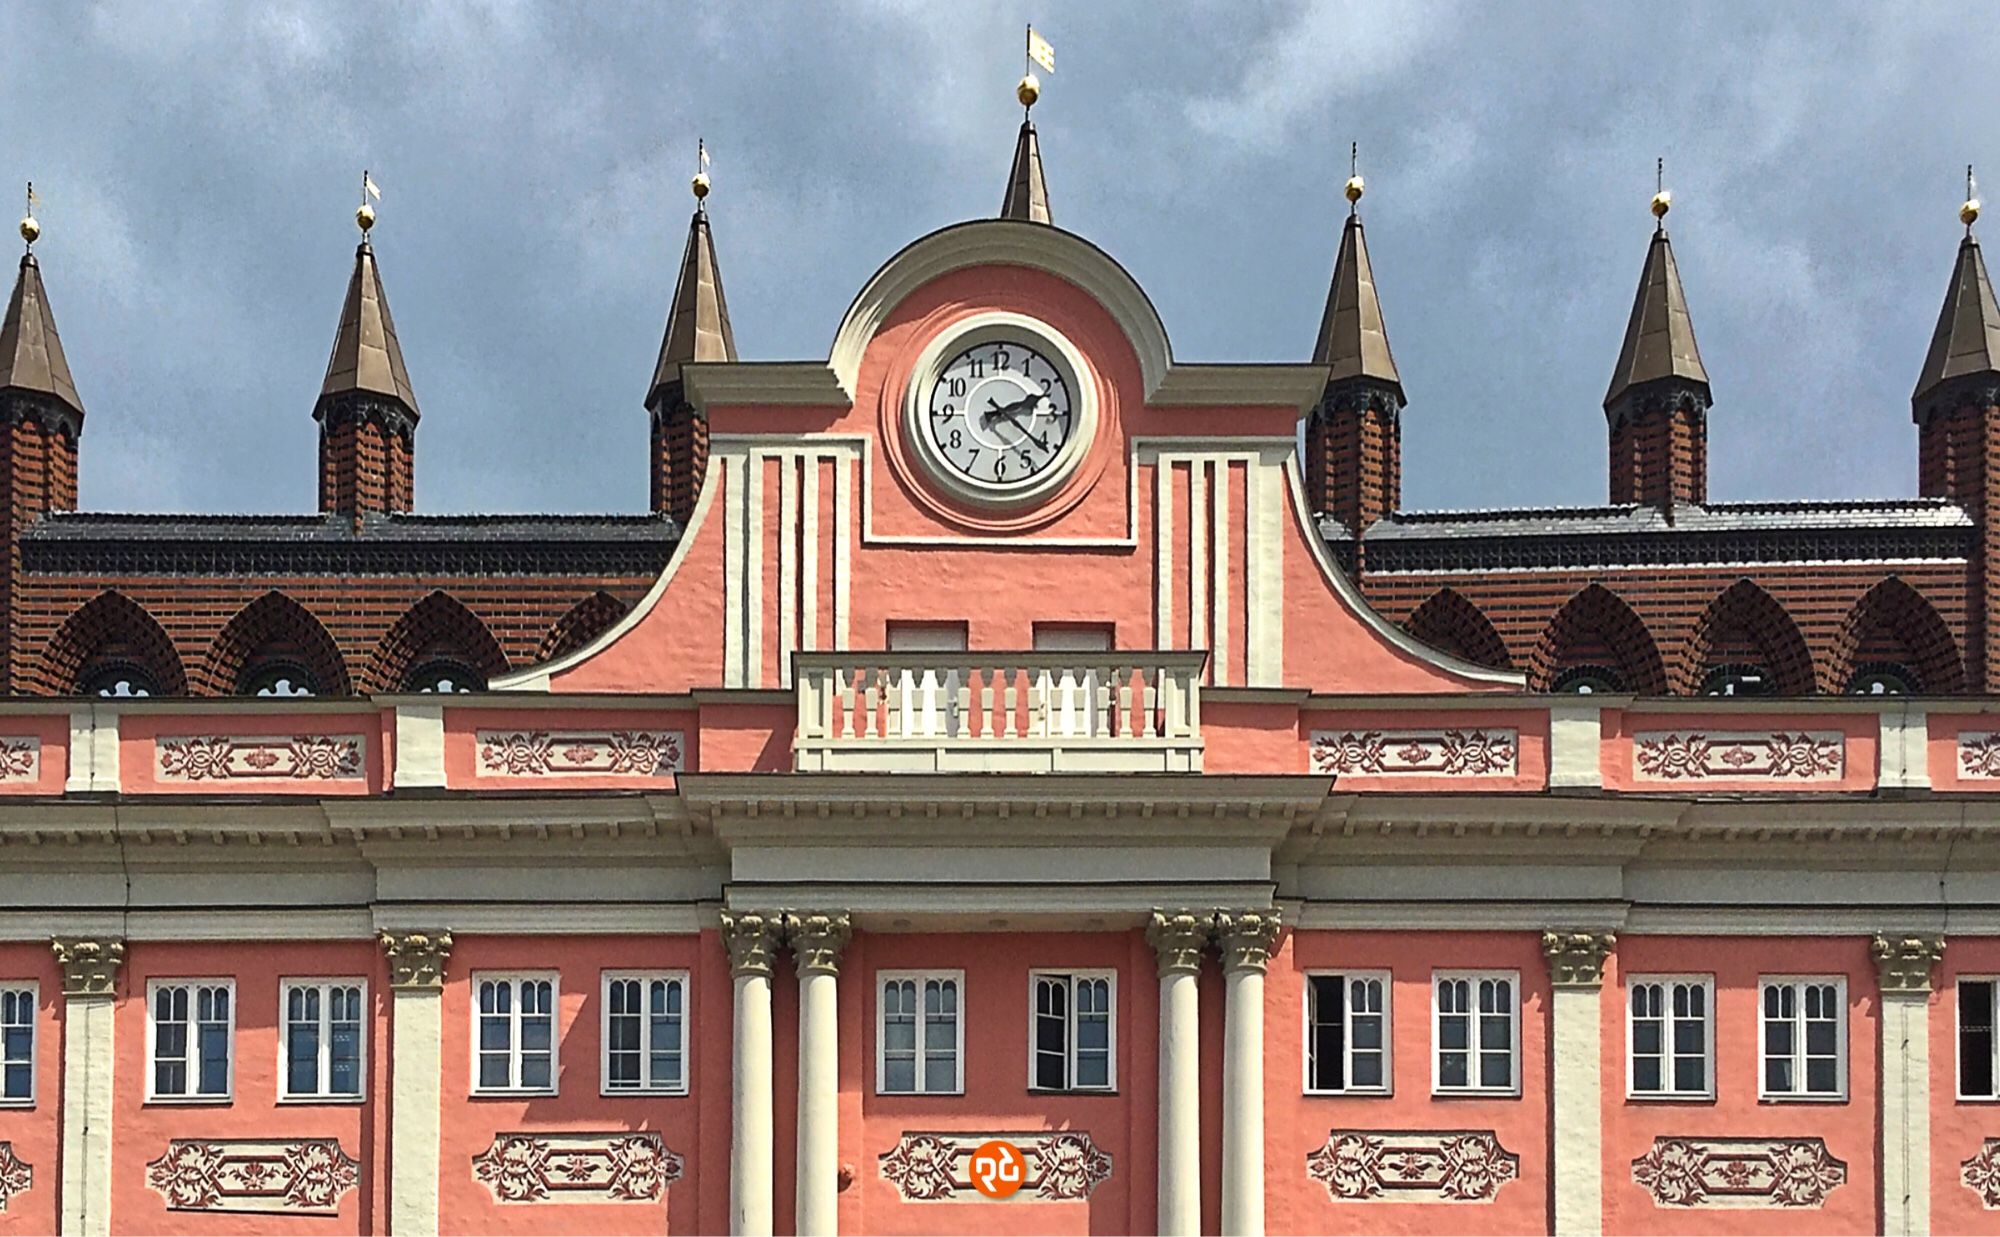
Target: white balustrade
1123, 712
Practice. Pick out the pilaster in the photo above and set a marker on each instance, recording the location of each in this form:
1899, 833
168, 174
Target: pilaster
90, 985
1903, 967
1576, 974
416, 1077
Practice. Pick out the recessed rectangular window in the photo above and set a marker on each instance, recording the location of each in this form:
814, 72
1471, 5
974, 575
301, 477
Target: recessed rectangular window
514, 1030
324, 1029
1978, 1047
17, 1042
1347, 1033
190, 1027
1669, 1036
645, 1032
1803, 1034
920, 1033
1073, 1024
1476, 1031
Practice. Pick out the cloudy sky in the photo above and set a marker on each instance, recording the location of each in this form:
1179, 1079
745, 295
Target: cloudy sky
199, 163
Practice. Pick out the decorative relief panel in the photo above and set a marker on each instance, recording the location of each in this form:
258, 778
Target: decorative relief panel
299, 1177
1981, 1173
1979, 756
1694, 756
578, 1168
1412, 1166
16, 1175
1432, 753
304, 757
20, 759
935, 1168
1738, 1172
546, 753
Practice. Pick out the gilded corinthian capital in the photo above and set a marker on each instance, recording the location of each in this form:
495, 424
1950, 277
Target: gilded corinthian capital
1576, 959
1904, 963
416, 959
1178, 937
1248, 937
752, 938
89, 967
817, 939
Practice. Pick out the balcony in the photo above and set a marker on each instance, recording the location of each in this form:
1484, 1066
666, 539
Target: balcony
1040, 712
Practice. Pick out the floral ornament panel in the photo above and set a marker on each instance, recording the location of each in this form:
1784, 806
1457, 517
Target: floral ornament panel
1738, 1172
1981, 1173
16, 1175
1979, 756
617, 1167
1412, 1166
20, 759
1431, 753
239, 758
552, 753
303, 1177
1774, 755
935, 1167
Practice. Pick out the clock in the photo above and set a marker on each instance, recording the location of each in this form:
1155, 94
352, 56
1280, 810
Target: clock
999, 410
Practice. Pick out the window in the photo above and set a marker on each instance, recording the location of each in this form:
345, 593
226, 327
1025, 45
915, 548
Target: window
1669, 1034
1805, 1038
278, 678
514, 1026
117, 679
324, 1030
1347, 1033
17, 1043
1070, 1049
188, 1042
1978, 1047
1738, 680
921, 1034
645, 1032
1588, 681
1475, 1031
1882, 679
445, 675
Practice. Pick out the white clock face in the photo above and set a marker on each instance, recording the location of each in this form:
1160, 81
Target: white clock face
999, 414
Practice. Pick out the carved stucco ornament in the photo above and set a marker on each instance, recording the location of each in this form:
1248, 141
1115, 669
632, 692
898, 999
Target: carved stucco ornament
752, 938
817, 939
1178, 937
1576, 959
1247, 938
89, 966
416, 959
1904, 963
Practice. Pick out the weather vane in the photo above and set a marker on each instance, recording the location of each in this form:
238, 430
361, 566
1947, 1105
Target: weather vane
700, 182
1970, 210
1663, 200
364, 214
30, 227
1355, 185
1039, 52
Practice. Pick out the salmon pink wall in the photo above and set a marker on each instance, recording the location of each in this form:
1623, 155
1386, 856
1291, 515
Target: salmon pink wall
463, 769
51, 731
1959, 1128
36, 1131
1297, 1124
465, 1204
1862, 736
253, 1110
995, 1006
1942, 749
140, 733
1531, 753
1848, 1126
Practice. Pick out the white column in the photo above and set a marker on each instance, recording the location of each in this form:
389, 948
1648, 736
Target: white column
1576, 1084
1904, 966
1179, 937
752, 938
1247, 939
416, 1077
817, 941
90, 978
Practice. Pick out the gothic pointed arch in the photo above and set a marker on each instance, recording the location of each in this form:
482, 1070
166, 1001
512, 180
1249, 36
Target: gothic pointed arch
1596, 638
274, 646
1894, 639
586, 621
1745, 642
1448, 620
437, 641
111, 645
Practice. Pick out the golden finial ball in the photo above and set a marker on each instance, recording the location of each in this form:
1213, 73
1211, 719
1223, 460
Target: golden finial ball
1966, 213
364, 216
700, 185
1029, 90
1355, 188
1663, 201
30, 230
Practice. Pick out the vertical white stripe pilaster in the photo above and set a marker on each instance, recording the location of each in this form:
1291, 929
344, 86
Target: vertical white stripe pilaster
809, 551
1264, 546
1163, 552
88, 1060
1576, 1082
1222, 516
788, 562
1198, 554
753, 566
844, 468
735, 609
1906, 1113
416, 1069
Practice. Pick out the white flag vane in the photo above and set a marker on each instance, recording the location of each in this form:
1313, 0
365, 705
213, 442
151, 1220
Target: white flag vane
1039, 52
364, 214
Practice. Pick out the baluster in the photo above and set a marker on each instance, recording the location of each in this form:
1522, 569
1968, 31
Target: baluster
1040, 686
843, 704
962, 710
871, 695
1010, 691
1126, 726
1097, 684
1148, 727
985, 702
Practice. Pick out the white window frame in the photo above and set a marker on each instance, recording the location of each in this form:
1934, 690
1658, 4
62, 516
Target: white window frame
646, 1085
515, 979
1668, 1056
882, 981
1438, 1087
228, 1094
323, 1070
32, 989
1799, 983
1110, 1028
1350, 974
1958, 1039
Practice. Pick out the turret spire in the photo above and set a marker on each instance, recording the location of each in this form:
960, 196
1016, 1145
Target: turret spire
31, 353
1965, 347
366, 409
697, 330
1658, 399
1353, 341
1027, 191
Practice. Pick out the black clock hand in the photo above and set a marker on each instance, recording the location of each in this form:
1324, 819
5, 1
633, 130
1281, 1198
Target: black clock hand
1025, 431
995, 411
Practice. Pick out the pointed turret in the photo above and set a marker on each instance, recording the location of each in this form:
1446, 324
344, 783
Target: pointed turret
367, 412
697, 330
1027, 191
1657, 404
1965, 348
32, 363
1354, 451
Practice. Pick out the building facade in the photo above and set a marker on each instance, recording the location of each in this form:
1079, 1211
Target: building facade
1005, 786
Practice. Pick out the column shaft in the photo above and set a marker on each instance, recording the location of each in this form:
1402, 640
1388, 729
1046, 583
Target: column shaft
1178, 938
1243, 1104
1904, 965
752, 1148
816, 941
90, 978
416, 1077
1576, 1082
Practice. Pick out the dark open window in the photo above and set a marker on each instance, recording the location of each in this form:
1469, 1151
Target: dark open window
1975, 1039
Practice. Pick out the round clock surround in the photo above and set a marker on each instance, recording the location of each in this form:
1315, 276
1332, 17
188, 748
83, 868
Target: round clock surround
1001, 408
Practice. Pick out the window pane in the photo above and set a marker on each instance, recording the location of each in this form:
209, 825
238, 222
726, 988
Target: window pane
940, 1072
1452, 1068
302, 1053
1367, 1069
1496, 1031
1645, 1073
1778, 1075
1822, 1077
1646, 1038
1496, 1069
1093, 1032
534, 1070
1366, 1030
344, 1058
1454, 1032
1093, 1069
214, 1058
899, 1074
536, 1032
1328, 1033
1690, 1075
495, 1033
170, 1077
15, 1081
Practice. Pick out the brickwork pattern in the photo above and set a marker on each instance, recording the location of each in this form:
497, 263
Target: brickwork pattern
364, 466
1354, 468
680, 456
1958, 457
1659, 456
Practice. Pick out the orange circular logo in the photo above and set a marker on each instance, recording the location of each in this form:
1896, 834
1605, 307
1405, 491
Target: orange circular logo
998, 1168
